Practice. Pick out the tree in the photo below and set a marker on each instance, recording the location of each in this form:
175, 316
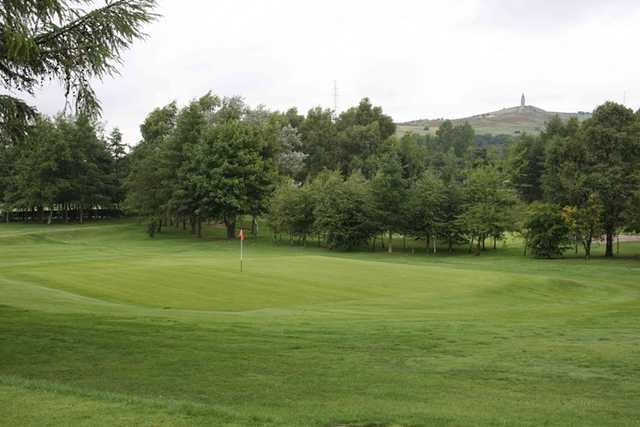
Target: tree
39, 179
290, 159
426, 207
292, 210
146, 184
60, 163
458, 138
120, 163
228, 172
91, 168
412, 156
362, 130
318, 134
488, 207
547, 233
585, 222
57, 39
611, 139
526, 166
389, 194
192, 122
344, 211
565, 172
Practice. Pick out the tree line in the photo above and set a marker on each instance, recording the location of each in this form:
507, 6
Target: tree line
582, 179
346, 181
570, 185
63, 168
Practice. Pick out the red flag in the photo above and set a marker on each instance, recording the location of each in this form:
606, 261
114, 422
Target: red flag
241, 234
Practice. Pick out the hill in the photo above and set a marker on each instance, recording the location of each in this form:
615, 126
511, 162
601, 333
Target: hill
508, 121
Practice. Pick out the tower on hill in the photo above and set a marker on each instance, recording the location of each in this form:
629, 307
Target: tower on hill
522, 101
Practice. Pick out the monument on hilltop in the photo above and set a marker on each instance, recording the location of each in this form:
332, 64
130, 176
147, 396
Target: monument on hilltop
522, 100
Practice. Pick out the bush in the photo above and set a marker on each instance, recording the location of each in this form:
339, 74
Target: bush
547, 233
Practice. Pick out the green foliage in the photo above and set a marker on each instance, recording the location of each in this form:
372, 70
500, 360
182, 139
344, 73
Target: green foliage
585, 221
344, 211
290, 158
60, 164
489, 207
59, 40
388, 190
292, 210
427, 207
412, 155
228, 173
547, 232
611, 140
458, 138
147, 189
318, 135
212, 159
527, 166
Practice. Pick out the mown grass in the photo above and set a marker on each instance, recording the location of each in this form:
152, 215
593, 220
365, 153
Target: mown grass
100, 325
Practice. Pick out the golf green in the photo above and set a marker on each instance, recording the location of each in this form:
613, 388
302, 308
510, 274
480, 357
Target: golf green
101, 325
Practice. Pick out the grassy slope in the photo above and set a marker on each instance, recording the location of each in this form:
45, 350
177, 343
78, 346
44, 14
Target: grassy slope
100, 326
508, 121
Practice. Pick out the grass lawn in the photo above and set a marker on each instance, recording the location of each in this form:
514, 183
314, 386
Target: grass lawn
100, 325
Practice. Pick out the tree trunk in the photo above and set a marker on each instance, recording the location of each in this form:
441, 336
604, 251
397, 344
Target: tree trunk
50, 215
160, 226
495, 243
231, 228
587, 248
609, 249
390, 241
254, 226
199, 227
81, 215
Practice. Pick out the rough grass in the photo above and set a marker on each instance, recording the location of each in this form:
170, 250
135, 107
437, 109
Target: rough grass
100, 325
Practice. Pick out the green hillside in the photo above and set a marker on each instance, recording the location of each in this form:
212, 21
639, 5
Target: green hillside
102, 326
508, 121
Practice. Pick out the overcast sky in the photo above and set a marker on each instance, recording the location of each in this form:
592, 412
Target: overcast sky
417, 59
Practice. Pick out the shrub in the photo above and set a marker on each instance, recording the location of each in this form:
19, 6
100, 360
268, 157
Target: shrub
547, 233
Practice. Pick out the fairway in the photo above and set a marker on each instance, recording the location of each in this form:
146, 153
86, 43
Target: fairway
101, 325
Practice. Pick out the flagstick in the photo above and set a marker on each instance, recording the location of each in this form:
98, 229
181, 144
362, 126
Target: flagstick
241, 241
